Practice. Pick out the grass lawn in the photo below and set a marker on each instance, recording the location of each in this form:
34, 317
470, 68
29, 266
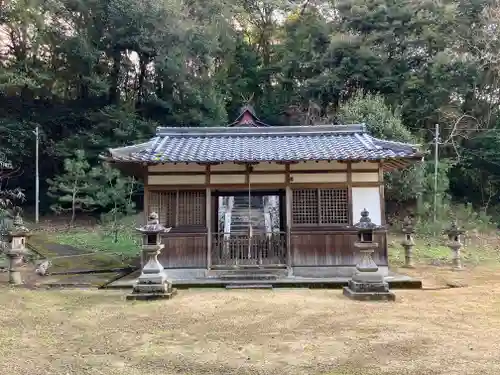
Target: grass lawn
97, 240
446, 332
285, 331
90, 236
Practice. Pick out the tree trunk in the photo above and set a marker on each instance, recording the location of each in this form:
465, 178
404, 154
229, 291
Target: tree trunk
73, 206
114, 92
73, 212
143, 63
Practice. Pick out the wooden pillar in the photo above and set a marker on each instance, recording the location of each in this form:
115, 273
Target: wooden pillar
349, 193
145, 198
145, 202
288, 212
208, 202
382, 192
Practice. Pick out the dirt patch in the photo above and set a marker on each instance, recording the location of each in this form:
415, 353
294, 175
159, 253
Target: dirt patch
296, 331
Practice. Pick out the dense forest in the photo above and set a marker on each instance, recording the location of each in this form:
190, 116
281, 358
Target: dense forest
93, 74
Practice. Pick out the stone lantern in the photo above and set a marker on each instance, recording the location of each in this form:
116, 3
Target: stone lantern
368, 282
454, 243
152, 283
408, 243
16, 247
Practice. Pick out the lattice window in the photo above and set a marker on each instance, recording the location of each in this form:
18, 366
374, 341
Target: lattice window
178, 208
305, 206
334, 206
320, 206
192, 207
163, 202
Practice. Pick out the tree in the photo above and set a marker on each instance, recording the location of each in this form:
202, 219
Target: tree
73, 190
115, 196
384, 123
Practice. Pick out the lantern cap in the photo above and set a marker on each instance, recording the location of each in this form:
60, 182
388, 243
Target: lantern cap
408, 225
18, 228
365, 223
454, 229
153, 225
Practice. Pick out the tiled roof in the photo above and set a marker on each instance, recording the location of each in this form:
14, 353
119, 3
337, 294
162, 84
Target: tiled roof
251, 144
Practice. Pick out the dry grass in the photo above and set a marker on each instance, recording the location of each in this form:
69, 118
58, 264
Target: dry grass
297, 331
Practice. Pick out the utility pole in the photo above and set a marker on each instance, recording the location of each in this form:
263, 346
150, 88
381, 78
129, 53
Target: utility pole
436, 160
37, 177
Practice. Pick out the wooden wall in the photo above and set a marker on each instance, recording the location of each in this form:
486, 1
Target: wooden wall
184, 250
331, 248
268, 174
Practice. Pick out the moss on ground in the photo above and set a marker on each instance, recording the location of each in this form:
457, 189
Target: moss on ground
67, 255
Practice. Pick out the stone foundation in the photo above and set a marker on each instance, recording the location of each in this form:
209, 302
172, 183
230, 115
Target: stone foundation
368, 296
368, 286
151, 296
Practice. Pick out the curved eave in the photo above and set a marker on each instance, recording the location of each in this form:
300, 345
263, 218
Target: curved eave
389, 164
127, 167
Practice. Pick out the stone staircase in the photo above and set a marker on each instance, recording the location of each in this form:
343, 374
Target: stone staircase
242, 217
252, 273
250, 277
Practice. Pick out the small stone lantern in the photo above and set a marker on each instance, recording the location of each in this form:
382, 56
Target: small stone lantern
153, 283
16, 249
454, 243
368, 282
408, 243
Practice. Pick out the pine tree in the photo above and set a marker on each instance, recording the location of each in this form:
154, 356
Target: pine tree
115, 193
75, 188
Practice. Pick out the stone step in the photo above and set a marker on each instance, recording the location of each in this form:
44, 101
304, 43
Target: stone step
242, 270
241, 222
248, 276
244, 215
246, 220
249, 286
244, 226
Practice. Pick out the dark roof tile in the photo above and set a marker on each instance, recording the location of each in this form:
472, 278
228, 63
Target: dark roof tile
250, 144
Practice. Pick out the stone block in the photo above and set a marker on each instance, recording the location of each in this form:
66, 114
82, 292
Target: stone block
151, 296
369, 296
357, 287
152, 288
158, 278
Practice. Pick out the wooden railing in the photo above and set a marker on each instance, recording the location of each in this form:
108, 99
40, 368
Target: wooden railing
229, 249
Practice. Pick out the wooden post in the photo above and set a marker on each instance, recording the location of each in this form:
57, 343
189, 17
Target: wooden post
349, 193
382, 192
177, 208
288, 212
145, 205
208, 202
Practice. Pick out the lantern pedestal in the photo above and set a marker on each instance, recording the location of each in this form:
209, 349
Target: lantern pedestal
17, 237
367, 283
454, 233
455, 247
153, 283
408, 243
15, 257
